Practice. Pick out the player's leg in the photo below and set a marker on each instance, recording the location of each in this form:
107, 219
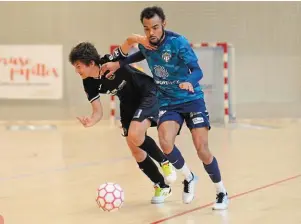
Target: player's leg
149, 168
146, 116
145, 163
135, 131
137, 135
199, 125
170, 124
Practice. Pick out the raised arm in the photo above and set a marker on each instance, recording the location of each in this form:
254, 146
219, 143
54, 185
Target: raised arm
120, 55
125, 48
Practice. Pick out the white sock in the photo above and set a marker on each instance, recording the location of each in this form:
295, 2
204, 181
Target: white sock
220, 187
186, 172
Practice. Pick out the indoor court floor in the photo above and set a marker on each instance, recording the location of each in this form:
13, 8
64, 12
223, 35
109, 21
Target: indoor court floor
51, 176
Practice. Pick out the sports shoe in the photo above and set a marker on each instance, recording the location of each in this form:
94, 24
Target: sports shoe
222, 201
161, 193
170, 174
189, 188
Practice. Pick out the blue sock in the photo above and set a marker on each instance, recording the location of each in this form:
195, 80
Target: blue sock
176, 158
213, 171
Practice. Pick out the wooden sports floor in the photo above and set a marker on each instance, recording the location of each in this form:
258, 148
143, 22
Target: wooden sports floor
51, 176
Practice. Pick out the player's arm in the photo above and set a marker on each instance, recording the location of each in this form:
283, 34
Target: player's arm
109, 68
113, 65
97, 111
121, 57
91, 88
196, 73
122, 52
187, 54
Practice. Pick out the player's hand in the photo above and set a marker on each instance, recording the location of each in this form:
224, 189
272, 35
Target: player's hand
87, 121
187, 86
143, 40
109, 68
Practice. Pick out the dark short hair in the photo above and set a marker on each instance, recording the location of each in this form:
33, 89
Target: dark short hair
150, 12
84, 52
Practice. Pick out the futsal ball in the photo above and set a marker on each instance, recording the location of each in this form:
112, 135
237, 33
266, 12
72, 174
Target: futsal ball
110, 197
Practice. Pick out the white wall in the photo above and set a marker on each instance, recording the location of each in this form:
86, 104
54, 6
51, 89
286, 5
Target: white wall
266, 37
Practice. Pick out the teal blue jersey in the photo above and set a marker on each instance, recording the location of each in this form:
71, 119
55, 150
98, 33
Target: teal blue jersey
171, 64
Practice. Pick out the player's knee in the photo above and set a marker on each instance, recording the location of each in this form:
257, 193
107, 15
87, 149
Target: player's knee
137, 153
136, 137
166, 142
203, 152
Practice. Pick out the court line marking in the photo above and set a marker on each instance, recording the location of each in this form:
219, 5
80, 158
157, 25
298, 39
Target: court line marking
232, 197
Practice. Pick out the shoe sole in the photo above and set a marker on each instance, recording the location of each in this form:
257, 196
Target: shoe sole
161, 202
219, 209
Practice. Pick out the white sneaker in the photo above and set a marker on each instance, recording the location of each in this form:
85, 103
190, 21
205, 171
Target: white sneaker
189, 189
160, 194
169, 172
222, 201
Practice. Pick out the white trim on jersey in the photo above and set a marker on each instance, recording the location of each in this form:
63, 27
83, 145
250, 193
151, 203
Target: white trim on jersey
124, 55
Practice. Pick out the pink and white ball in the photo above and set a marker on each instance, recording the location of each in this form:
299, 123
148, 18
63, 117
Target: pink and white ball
110, 197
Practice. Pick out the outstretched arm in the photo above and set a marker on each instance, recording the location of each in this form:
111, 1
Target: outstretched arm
121, 57
125, 48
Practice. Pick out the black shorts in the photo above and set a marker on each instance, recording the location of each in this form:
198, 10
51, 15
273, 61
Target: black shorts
146, 107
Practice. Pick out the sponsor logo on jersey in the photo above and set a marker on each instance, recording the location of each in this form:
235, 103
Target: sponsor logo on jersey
122, 84
163, 82
160, 71
113, 92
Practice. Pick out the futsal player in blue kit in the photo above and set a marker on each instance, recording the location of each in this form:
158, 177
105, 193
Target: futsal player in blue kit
176, 73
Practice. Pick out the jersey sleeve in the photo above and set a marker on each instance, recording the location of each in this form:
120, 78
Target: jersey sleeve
117, 55
142, 49
91, 87
185, 51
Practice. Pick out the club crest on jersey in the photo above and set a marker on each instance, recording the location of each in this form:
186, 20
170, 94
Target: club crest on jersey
160, 71
166, 56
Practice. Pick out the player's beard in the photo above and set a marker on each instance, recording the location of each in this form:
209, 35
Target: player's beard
158, 41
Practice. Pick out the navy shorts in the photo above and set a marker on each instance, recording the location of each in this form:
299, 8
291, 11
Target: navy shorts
194, 113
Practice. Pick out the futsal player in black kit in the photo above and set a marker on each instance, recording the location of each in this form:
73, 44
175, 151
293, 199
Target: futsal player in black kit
139, 109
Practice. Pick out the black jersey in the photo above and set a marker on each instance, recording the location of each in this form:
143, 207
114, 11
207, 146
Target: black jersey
128, 83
